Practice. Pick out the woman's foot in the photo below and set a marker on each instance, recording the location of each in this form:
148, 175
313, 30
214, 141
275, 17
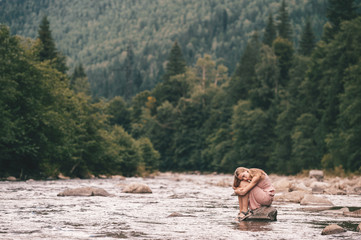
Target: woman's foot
243, 215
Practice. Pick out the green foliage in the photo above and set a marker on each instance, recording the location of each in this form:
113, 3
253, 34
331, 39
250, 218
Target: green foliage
270, 33
338, 11
48, 50
281, 111
284, 25
252, 135
98, 33
307, 43
284, 52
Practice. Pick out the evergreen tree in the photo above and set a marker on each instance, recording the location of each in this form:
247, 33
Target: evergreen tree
284, 51
284, 25
244, 76
176, 63
173, 87
338, 11
48, 50
78, 73
270, 31
307, 43
129, 73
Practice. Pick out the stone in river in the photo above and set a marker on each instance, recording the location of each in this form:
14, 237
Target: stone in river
310, 199
84, 192
137, 188
332, 229
318, 174
263, 213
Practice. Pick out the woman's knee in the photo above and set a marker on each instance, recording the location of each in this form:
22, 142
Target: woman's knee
243, 184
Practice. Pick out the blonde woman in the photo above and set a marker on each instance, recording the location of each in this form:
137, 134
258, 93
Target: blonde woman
254, 189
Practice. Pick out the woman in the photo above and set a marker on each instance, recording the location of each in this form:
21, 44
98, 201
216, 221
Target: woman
254, 189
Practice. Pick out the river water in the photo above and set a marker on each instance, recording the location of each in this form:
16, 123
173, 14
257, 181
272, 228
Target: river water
32, 210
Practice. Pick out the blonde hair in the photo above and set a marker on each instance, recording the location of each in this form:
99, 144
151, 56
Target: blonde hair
240, 170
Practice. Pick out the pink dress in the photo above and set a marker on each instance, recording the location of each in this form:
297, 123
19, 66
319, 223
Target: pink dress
262, 194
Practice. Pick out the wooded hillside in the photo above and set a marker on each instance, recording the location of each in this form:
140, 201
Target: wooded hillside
118, 40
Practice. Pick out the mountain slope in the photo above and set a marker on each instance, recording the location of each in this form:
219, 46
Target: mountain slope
101, 34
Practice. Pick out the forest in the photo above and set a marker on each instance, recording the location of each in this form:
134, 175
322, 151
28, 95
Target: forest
284, 105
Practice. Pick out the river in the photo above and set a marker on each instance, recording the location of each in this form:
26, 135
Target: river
32, 210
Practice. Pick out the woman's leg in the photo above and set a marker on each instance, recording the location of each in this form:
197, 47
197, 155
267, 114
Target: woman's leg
243, 200
258, 198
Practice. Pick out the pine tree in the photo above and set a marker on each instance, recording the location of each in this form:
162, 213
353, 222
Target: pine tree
284, 51
78, 73
129, 72
338, 11
176, 63
270, 31
284, 25
48, 50
244, 76
307, 43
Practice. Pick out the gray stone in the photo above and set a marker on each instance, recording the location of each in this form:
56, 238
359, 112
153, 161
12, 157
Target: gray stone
295, 197
137, 188
318, 174
332, 229
84, 192
310, 199
263, 213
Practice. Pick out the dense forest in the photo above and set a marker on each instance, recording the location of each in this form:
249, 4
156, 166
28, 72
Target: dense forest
285, 105
124, 45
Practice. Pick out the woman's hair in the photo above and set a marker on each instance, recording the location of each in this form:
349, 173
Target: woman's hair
240, 170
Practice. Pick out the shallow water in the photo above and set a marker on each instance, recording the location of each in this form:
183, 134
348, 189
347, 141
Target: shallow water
31, 210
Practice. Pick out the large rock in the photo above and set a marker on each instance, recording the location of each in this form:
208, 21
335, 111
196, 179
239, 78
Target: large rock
299, 186
319, 187
264, 214
332, 229
11, 178
282, 185
137, 188
317, 174
84, 192
310, 199
295, 197
356, 213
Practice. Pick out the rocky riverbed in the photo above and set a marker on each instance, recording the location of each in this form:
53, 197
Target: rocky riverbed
177, 206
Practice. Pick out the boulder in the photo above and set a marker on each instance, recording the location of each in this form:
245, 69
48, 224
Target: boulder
317, 174
299, 186
282, 185
337, 212
11, 178
137, 188
62, 177
118, 177
356, 213
310, 199
295, 197
263, 213
332, 229
84, 192
358, 228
